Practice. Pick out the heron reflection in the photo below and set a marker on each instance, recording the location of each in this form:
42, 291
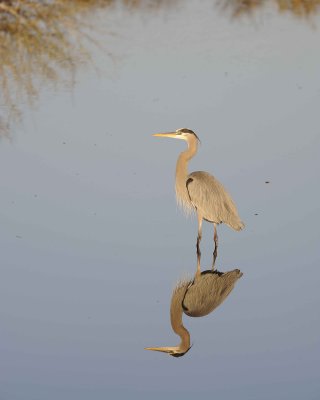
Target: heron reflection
197, 298
201, 192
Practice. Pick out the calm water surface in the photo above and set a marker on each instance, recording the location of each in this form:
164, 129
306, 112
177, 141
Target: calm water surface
92, 241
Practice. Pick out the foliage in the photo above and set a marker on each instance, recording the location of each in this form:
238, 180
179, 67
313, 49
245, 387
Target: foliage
301, 8
46, 40
40, 41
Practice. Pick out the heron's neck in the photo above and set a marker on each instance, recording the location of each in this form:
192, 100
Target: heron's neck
176, 312
182, 173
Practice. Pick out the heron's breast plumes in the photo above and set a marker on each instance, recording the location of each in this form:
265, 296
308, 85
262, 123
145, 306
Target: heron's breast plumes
183, 198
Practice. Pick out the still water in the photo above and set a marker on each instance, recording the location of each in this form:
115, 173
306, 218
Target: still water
92, 242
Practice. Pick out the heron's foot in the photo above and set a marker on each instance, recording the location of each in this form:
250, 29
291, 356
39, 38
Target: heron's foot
214, 260
197, 274
198, 271
198, 249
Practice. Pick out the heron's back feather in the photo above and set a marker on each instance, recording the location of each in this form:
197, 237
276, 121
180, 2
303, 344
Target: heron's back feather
209, 291
212, 201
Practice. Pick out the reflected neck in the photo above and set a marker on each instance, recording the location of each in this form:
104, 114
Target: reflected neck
176, 312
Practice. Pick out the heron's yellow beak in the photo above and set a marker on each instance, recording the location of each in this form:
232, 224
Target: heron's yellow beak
168, 134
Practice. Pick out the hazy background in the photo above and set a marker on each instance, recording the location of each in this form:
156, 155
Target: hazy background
92, 241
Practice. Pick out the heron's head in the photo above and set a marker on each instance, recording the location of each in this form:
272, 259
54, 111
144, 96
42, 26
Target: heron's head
183, 133
173, 351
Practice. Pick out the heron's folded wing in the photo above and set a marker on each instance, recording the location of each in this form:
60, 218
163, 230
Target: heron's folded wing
212, 200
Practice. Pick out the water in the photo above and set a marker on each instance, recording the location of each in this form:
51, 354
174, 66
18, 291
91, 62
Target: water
92, 241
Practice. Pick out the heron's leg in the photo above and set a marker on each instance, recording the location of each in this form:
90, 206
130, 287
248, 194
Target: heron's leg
198, 272
215, 251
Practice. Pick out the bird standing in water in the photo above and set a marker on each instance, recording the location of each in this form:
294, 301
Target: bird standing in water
201, 192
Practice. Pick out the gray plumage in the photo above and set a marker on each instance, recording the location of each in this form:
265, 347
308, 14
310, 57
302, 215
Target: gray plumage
212, 201
202, 193
208, 292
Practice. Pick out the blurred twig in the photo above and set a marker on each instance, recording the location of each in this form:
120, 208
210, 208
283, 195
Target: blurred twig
297, 7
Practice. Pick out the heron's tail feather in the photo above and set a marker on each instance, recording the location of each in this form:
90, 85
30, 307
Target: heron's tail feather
241, 226
236, 225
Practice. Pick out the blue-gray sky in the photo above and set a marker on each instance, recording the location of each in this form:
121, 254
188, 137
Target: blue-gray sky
92, 241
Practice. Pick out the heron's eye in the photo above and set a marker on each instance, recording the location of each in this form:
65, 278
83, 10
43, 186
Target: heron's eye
185, 130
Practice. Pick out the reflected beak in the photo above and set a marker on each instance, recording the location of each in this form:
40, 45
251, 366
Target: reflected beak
168, 134
168, 350
173, 351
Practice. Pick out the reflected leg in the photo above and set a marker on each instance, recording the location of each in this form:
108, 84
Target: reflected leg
198, 272
215, 252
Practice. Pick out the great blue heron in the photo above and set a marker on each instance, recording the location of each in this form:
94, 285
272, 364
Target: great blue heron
202, 192
197, 298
